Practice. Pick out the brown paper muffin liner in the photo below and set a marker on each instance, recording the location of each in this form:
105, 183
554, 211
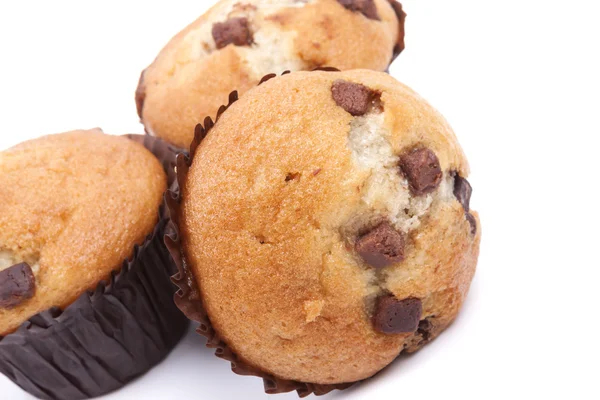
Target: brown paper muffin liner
108, 336
188, 297
401, 15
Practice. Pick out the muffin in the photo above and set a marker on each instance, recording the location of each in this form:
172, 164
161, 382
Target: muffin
324, 227
84, 278
234, 44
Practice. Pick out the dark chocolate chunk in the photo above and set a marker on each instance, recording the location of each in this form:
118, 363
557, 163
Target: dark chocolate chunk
355, 98
233, 31
425, 328
17, 284
366, 7
422, 169
397, 316
381, 246
462, 191
472, 221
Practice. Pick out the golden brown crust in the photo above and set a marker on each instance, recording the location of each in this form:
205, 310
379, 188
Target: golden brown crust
76, 203
263, 216
172, 108
190, 79
331, 36
444, 283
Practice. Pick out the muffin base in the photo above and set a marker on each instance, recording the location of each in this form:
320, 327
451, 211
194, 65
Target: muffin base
188, 297
107, 337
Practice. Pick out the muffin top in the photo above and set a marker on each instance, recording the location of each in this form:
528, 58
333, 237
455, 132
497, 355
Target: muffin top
72, 207
325, 218
234, 44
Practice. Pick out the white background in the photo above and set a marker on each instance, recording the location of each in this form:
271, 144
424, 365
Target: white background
519, 82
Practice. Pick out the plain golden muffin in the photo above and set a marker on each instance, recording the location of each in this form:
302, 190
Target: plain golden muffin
72, 207
326, 221
235, 43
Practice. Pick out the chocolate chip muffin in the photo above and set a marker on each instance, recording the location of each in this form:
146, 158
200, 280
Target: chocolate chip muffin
71, 212
234, 44
82, 269
325, 227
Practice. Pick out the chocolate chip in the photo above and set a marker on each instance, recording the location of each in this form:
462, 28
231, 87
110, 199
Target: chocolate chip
17, 284
355, 98
381, 246
397, 316
233, 31
472, 221
422, 169
425, 328
462, 191
366, 7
